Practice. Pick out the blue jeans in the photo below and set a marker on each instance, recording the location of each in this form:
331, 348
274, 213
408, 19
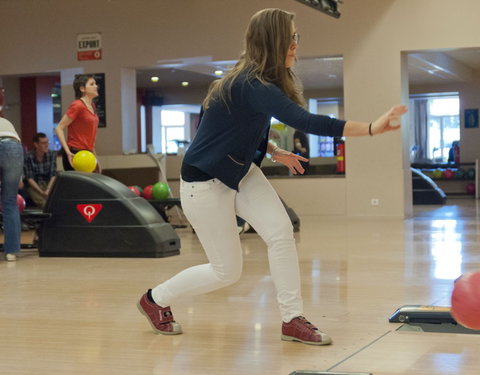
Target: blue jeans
11, 168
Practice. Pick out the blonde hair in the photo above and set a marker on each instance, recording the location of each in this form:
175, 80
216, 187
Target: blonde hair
267, 41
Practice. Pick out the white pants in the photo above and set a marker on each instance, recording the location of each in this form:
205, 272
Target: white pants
211, 208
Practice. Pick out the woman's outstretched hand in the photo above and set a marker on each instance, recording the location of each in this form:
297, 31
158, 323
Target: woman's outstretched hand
389, 120
290, 160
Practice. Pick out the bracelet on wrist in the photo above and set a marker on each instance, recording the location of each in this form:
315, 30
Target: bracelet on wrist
272, 155
370, 130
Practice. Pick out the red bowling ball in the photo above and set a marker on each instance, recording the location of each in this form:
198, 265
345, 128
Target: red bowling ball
466, 300
135, 190
148, 192
20, 203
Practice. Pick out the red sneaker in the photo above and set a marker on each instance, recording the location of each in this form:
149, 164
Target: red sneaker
160, 318
299, 329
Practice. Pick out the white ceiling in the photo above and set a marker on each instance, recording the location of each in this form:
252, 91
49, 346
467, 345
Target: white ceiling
467, 56
438, 67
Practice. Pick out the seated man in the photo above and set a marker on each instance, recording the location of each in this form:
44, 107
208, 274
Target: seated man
40, 168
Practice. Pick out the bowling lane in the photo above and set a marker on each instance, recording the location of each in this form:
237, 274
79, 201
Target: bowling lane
417, 353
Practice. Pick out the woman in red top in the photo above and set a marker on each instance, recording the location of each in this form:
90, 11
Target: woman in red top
81, 120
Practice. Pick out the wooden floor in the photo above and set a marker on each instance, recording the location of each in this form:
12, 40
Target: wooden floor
78, 315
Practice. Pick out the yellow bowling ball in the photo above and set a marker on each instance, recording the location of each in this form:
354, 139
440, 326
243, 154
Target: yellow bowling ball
437, 173
84, 161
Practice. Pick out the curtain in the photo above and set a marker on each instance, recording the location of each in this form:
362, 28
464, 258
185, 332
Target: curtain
419, 132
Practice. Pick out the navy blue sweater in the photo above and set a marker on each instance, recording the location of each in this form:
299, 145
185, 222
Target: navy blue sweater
231, 137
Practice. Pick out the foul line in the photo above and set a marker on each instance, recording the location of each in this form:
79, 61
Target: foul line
359, 350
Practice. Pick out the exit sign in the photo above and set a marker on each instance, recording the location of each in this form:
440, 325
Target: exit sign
89, 46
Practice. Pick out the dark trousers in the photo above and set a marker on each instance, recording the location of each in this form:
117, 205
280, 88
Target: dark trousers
65, 162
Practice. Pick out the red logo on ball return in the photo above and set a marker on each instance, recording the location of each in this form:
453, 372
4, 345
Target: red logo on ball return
89, 211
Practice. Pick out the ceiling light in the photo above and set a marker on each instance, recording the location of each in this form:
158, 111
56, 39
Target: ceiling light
218, 72
154, 79
329, 58
185, 83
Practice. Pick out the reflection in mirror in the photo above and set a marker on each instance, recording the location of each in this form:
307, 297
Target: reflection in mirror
160, 89
444, 88
168, 104
182, 85
322, 81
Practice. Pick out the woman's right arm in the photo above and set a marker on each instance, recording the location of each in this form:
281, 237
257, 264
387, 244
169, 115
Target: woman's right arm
59, 130
269, 99
389, 121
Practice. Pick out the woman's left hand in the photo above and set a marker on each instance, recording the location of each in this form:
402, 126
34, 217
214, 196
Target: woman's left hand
290, 160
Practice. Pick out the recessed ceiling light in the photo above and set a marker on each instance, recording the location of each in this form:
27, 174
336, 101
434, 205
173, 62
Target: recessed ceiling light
329, 58
218, 72
154, 79
185, 83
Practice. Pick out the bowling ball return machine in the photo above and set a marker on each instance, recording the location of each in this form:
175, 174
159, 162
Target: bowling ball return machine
92, 215
427, 318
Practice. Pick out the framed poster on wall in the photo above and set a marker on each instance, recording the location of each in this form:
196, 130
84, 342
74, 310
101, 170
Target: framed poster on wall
100, 99
471, 118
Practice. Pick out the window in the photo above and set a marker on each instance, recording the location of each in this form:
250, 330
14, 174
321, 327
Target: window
321, 146
168, 127
172, 118
443, 127
172, 135
435, 126
325, 146
143, 130
173, 129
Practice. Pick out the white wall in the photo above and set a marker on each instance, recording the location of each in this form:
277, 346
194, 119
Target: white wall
12, 102
371, 35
